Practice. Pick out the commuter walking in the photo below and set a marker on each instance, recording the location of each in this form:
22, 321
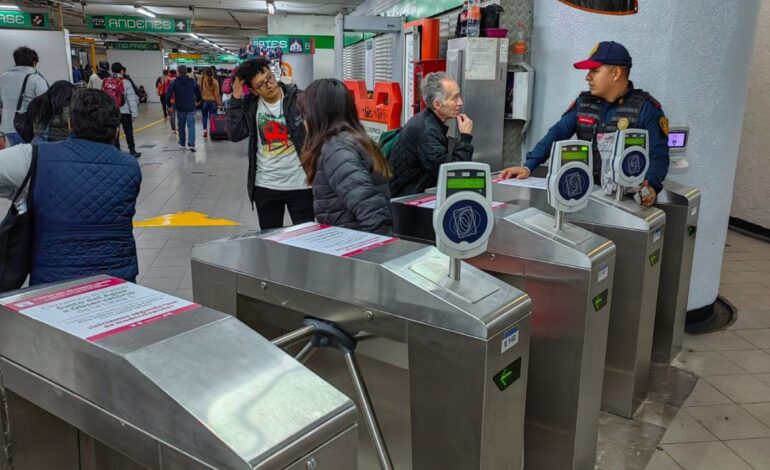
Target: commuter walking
270, 117
160, 89
212, 99
95, 80
84, 195
122, 91
348, 172
170, 101
186, 95
18, 87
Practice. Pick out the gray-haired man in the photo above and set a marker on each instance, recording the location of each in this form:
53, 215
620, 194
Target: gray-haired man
423, 144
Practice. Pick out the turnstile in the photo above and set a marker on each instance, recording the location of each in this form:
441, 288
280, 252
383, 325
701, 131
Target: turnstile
569, 276
638, 235
460, 404
681, 205
100, 373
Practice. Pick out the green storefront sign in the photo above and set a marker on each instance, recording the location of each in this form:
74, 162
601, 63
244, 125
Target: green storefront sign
23, 20
294, 44
209, 60
138, 24
134, 46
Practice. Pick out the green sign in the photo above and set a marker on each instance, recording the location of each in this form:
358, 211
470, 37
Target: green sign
209, 60
134, 46
23, 20
294, 44
138, 24
601, 300
655, 257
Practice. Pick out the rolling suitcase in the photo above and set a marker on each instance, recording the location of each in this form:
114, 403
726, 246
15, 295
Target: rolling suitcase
217, 127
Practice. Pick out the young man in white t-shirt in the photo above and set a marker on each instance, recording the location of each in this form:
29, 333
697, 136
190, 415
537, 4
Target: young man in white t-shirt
269, 115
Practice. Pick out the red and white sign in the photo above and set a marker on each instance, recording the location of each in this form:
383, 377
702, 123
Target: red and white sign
336, 241
429, 202
100, 309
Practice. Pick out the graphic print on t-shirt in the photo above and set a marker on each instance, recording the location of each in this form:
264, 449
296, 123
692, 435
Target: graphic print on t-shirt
274, 136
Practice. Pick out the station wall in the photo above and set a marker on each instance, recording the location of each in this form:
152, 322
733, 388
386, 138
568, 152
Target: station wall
751, 200
51, 46
694, 58
144, 67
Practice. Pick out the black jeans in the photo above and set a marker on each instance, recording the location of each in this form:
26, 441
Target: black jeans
128, 129
272, 203
163, 104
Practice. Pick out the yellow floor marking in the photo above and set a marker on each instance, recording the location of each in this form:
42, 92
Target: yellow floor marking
136, 131
184, 219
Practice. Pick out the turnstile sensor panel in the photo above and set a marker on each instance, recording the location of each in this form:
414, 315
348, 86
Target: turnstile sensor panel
508, 375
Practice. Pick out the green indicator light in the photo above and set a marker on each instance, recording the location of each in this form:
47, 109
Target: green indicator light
508, 375
584, 148
600, 300
655, 258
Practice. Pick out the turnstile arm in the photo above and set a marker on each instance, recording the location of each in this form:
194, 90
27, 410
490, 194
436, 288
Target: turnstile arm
326, 334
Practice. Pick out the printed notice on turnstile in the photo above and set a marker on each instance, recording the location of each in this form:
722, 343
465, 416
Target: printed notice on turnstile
537, 183
429, 202
331, 240
100, 309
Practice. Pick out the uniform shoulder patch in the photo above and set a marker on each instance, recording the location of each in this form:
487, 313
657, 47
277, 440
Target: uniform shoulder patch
663, 121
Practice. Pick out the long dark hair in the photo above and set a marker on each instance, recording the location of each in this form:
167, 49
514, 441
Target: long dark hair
50, 104
209, 77
329, 110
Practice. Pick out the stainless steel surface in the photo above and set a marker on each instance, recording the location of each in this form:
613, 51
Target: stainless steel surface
305, 353
195, 390
682, 207
451, 346
455, 268
559, 220
484, 100
562, 272
294, 337
370, 418
638, 234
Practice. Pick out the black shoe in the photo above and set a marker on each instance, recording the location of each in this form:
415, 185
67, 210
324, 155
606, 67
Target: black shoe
192, 148
136, 154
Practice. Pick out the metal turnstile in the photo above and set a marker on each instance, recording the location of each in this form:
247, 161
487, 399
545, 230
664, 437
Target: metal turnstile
445, 361
638, 235
681, 205
569, 277
169, 386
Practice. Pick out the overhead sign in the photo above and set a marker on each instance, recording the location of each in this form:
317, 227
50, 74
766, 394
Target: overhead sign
294, 44
175, 55
23, 20
134, 46
138, 24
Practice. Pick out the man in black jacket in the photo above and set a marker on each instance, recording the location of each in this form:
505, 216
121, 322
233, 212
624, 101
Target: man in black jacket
269, 115
423, 144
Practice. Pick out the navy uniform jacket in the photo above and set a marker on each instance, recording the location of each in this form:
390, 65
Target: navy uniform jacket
649, 118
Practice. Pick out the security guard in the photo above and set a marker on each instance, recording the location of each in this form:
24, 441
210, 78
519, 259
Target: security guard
611, 103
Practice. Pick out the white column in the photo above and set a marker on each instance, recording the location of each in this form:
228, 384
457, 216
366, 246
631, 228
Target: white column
694, 58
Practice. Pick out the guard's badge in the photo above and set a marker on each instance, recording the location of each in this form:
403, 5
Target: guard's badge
623, 123
664, 125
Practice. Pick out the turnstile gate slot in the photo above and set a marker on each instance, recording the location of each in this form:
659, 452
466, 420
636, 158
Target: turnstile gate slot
194, 389
563, 278
638, 234
454, 345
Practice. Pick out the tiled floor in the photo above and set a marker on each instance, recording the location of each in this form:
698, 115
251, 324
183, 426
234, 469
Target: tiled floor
724, 424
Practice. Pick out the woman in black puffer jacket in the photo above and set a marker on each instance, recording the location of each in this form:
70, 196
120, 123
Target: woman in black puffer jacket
348, 172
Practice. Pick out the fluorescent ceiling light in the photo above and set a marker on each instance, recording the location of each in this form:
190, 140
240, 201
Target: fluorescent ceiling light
195, 36
5, 6
271, 7
206, 41
183, 51
145, 12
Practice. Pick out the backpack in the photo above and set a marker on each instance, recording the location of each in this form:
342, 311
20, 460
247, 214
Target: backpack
388, 140
227, 86
114, 87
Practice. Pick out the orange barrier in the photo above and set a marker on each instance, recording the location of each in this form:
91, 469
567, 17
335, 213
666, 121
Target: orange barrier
430, 30
384, 107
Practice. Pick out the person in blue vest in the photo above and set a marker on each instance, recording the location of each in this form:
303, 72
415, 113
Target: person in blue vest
84, 196
611, 103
